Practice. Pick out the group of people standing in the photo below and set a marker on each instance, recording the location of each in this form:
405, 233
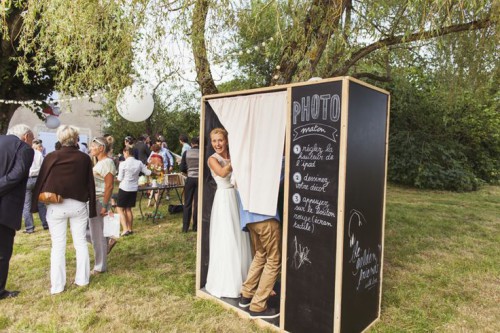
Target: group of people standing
84, 180
156, 153
87, 189
231, 271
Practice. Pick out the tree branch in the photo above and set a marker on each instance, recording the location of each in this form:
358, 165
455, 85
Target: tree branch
418, 36
372, 77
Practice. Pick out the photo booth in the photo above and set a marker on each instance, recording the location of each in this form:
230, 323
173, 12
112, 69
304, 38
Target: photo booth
333, 135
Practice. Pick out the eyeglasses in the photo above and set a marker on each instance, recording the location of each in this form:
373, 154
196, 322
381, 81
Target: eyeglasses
99, 142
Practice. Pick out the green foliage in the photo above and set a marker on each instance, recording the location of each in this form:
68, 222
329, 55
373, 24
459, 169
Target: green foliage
442, 139
259, 27
89, 43
419, 162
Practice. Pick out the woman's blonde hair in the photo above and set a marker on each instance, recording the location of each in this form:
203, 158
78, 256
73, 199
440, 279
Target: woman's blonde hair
68, 135
219, 130
102, 141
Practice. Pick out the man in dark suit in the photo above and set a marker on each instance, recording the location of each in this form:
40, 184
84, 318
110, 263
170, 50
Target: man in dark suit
16, 157
190, 165
142, 149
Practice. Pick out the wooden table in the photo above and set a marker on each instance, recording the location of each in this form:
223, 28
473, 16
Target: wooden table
160, 189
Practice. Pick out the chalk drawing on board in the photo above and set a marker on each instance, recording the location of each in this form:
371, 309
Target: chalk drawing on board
364, 260
300, 255
315, 129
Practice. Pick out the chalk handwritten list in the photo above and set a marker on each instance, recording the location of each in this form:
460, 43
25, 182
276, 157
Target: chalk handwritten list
312, 209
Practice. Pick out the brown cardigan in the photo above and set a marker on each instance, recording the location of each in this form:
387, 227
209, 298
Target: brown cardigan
67, 172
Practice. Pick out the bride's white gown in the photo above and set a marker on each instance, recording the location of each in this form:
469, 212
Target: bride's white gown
230, 254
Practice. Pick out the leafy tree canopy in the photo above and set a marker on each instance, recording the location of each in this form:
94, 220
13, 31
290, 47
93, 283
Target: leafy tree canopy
425, 51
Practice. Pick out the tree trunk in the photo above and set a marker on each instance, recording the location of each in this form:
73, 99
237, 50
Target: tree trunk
203, 72
6, 113
308, 46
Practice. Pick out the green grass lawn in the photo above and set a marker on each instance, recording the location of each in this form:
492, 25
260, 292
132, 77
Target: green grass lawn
441, 274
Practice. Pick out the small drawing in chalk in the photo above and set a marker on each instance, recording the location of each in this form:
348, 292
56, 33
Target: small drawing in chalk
300, 254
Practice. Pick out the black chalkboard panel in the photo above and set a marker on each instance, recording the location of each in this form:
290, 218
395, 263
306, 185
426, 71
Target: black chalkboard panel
209, 188
312, 208
364, 200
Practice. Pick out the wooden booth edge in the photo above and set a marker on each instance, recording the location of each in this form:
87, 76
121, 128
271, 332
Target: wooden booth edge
284, 223
199, 232
388, 114
276, 88
341, 205
352, 79
290, 85
375, 321
241, 313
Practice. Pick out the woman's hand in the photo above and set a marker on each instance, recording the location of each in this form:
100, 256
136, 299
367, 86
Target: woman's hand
103, 212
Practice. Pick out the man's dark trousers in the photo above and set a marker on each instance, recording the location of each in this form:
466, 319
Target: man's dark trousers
6, 245
190, 204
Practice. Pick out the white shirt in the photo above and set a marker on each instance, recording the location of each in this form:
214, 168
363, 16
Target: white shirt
37, 163
101, 170
128, 174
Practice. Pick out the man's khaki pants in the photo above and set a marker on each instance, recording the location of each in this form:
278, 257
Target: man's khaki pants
266, 240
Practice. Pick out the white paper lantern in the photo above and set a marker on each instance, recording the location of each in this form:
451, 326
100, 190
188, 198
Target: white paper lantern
52, 122
135, 104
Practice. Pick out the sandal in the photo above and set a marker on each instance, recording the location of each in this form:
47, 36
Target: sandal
111, 244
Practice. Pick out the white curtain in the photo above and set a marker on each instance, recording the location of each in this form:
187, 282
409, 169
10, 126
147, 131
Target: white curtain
256, 127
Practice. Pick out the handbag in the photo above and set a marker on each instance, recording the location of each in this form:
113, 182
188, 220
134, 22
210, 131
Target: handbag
111, 226
49, 198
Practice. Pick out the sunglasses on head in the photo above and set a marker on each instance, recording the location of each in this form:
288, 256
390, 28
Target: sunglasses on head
99, 142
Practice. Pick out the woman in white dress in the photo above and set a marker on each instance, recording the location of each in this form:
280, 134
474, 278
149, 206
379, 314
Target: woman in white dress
230, 254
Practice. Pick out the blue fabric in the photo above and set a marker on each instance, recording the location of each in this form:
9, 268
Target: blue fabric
248, 217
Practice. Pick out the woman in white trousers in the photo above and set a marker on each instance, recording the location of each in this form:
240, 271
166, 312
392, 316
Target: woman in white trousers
57, 218
67, 172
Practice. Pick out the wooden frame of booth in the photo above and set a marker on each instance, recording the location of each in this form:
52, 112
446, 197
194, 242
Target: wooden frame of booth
332, 255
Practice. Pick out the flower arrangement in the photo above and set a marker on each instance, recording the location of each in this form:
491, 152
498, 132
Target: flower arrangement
157, 173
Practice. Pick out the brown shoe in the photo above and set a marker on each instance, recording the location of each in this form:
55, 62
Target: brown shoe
111, 244
94, 272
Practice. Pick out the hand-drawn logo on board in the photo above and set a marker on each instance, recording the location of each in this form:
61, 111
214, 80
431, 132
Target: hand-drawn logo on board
366, 263
315, 129
300, 255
